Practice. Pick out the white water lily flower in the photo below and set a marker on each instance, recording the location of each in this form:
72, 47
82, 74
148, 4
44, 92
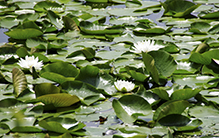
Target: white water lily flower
124, 86
30, 62
145, 46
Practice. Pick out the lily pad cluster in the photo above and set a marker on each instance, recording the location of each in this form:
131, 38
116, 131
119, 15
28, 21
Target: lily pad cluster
106, 68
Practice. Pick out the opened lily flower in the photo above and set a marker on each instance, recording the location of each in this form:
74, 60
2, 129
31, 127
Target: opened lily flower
145, 46
30, 62
124, 86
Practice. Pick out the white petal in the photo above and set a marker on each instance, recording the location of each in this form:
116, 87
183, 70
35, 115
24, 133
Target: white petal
30, 62
145, 46
121, 84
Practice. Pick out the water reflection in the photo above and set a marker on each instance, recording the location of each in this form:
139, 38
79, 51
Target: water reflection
3, 37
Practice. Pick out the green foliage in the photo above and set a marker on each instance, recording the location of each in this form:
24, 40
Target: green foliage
85, 47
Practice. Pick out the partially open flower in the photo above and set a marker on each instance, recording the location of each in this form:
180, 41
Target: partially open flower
145, 46
30, 62
124, 86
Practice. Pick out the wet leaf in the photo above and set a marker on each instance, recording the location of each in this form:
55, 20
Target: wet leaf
170, 107
87, 93
184, 94
129, 107
89, 74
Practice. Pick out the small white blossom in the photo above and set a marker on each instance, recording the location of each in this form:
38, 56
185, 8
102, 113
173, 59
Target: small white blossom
145, 46
30, 62
124, 86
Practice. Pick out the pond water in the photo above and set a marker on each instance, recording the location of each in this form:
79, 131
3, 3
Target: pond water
3, 37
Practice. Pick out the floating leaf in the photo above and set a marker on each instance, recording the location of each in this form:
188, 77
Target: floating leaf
70, 24
56, 77
19, 81
200, 27
24, 33
97, 1
138, 76
150, 66
26, 129
8, 22
90, 28
89, 74
175, 8
193, 124
45, 88
170, 107
59, 99
211, 15
88, 52
55, 19
161, 93
43, 6
129, 107
52, 126
184, 94
62, 70
86, 92
174, 120
205, 58
164, 62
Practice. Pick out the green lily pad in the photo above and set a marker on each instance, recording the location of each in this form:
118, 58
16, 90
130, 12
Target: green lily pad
200, 27
129, 107
174, 8
150, 66
45, 88
211, 15
8, 22
62, 71
170, 107
161, 93
43, 6
58, 99
52, 126
87, 93
164, 62
183, 94
26, 129
89, 74
24, 33
94, 29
